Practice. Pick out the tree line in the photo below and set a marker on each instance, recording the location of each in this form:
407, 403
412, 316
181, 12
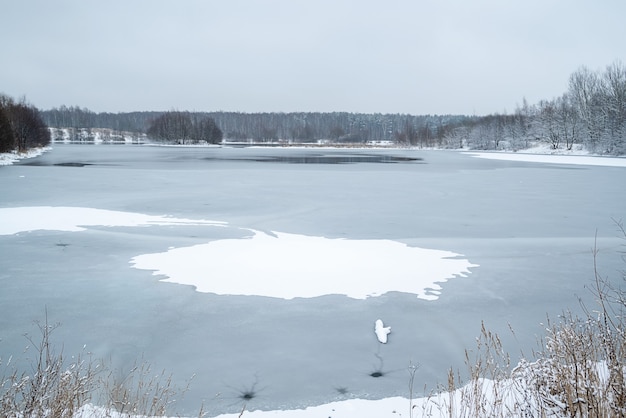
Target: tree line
21, 126
590, 114
404, 129
83, 118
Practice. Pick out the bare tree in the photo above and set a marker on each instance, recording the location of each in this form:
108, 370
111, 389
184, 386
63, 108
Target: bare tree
614, 97
183, 128
27, 129
584, 90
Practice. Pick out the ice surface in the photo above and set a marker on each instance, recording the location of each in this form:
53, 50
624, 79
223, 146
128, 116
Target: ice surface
530, 226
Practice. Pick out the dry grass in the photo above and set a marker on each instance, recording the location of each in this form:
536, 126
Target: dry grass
140, 392
56, 388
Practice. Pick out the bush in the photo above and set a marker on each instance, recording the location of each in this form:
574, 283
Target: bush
54, 389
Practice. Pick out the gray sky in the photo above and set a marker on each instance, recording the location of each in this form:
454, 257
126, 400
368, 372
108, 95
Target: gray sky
392, 56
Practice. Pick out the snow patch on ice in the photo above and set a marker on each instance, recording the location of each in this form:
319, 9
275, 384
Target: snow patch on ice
71, 219
381, 331
287, 266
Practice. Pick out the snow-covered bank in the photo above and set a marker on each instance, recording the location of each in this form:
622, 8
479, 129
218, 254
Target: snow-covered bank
529, 391
95, 136
391, 407
552, 159
9, 158
512, 397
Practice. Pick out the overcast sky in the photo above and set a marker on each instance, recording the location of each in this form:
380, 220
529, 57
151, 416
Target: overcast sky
391, 56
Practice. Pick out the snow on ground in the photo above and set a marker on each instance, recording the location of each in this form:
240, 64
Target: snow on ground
391, 407
482, 397
396, 407
9, 158
526, 393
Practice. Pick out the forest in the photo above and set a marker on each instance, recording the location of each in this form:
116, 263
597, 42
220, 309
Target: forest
301, 127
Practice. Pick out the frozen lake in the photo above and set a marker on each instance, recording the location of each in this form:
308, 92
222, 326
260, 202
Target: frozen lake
507, 242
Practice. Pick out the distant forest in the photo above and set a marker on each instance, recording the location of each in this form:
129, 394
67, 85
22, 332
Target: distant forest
272, 127
590, 115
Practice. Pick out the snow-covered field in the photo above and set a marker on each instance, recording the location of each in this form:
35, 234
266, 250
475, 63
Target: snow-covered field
357, 268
